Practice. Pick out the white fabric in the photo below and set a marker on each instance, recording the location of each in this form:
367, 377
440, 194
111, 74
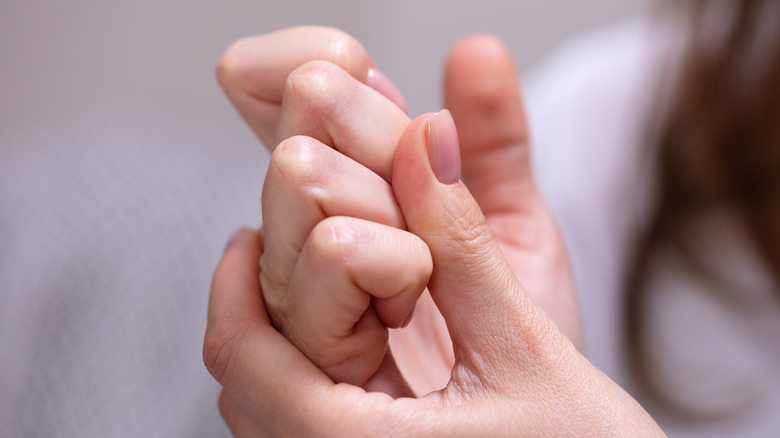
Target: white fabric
111, 229
588, 106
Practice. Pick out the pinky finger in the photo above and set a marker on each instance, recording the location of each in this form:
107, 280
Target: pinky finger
353, 280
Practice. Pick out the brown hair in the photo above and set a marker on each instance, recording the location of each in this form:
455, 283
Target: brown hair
718, 147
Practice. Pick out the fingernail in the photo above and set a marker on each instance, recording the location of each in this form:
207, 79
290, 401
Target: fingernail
443, 147
233, 239
386, 87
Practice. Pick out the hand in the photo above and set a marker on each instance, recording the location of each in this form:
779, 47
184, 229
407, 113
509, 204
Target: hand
515, 372
338, 267
253, 71
308, 183
482, 93
323, 209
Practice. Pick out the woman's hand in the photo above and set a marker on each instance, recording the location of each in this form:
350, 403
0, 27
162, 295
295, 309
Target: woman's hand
338, 269
515, 373
253, 71
481, 91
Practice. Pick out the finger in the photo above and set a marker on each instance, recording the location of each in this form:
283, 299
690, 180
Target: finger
345, 264
253, 70
307, 182
492, 321
482, 93
232, 276
255, 364
323, 101
268, 377
240, 424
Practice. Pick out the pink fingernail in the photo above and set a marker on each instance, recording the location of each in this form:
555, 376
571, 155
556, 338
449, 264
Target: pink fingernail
443, 147
233, 239
386, 87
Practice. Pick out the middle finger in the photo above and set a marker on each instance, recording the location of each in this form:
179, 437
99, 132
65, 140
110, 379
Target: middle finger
324, 102
307, 181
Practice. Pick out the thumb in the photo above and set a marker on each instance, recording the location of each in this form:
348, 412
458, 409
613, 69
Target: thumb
481, 89
490, 317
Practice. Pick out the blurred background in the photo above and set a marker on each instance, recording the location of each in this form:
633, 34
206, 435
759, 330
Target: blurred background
67, 60
123, 170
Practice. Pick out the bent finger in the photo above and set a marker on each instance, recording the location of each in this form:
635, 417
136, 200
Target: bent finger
260, 369
253, 70
482, 93
306, 182
346, 265
321, 100
237, 272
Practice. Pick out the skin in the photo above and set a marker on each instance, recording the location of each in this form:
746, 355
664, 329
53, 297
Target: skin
346, 256
285, 84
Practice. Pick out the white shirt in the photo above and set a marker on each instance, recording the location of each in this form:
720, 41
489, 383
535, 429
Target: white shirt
588, 106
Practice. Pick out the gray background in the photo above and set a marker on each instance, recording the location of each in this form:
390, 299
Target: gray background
63, 62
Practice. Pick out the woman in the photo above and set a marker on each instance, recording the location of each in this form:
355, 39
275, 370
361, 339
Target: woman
513, 369
672, 246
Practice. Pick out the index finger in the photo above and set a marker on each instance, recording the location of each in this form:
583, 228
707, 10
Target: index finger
253, 70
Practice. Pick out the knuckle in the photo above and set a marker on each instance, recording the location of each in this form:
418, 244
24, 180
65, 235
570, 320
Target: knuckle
299, 161
219, 346
312, 88
347, 52
335, 241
